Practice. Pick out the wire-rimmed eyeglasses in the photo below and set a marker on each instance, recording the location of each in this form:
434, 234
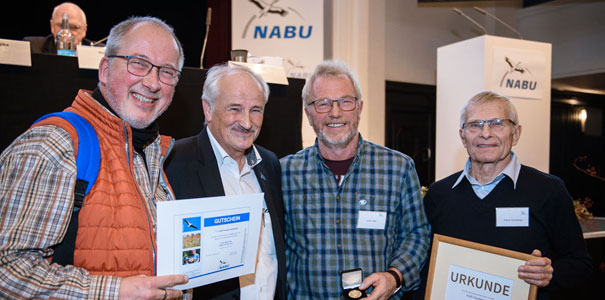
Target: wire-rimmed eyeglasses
494, 124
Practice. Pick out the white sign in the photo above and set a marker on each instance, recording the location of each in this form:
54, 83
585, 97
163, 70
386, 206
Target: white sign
89, 57
270, 73
519, 73
289, 29
464, 283
209, 239
15, 53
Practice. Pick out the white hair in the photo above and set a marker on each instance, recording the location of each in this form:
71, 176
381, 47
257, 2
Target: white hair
489, 97
330, 68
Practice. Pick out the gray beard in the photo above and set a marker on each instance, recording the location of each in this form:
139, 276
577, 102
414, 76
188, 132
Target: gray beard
336, 143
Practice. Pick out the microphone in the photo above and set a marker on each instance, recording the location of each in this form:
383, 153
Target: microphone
208, 18
470, 19
499, 21
99, 41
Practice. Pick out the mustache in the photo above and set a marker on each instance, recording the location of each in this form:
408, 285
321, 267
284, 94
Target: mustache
239, 128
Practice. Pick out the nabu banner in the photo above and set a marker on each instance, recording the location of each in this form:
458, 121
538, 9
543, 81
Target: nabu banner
290, 29
519, 73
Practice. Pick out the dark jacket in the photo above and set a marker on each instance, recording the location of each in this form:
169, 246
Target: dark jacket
46, 44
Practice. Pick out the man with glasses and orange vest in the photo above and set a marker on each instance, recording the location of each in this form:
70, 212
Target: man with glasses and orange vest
114, 256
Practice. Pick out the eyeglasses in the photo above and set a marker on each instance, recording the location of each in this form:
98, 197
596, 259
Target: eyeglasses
494, 124
346, 103
141, 67
72, 27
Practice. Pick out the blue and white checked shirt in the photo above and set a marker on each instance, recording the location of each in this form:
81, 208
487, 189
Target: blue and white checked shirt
322, 237
511, 170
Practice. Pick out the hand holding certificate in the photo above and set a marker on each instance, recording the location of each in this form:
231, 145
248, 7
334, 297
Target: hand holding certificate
209, 239
465, 270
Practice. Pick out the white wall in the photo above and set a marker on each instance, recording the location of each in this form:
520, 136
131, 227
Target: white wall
413, 34
576, 32
356, 35
397, 40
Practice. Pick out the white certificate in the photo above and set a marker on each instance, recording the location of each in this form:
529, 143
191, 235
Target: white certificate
465, 283
462, 270
208, 239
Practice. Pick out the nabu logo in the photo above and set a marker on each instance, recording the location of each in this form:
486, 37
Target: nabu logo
223, 265
509, 81
276, 32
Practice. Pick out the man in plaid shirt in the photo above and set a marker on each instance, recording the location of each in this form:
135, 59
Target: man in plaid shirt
349, 203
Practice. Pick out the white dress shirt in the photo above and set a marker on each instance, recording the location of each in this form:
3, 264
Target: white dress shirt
262, 283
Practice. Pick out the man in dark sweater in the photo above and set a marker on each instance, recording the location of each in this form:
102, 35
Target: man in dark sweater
472, 204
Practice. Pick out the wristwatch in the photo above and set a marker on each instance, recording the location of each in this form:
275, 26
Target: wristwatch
397, 280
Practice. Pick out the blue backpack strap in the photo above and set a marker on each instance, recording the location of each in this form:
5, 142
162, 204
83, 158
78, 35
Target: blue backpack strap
88, 158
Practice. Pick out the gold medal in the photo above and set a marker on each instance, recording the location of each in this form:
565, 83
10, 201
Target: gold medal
354, 294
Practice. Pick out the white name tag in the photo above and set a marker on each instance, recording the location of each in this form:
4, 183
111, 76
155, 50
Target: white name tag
371, 219
15, 53
512, 216
89, 57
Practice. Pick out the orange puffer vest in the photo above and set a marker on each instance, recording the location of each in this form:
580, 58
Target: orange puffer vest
116, 233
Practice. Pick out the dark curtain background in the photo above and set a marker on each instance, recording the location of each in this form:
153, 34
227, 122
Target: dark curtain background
52, 82
31, 18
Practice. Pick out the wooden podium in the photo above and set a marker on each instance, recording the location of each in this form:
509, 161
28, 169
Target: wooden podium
518, 69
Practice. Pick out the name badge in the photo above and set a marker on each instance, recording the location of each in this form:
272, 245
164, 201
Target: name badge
371, 219
512, 216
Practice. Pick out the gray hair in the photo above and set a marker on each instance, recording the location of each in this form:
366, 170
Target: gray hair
329, 68
218, 72
489, 97
117, 33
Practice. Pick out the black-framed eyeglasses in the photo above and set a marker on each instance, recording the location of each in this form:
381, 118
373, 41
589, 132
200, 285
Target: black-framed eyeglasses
141, 67
494, 124
324, 105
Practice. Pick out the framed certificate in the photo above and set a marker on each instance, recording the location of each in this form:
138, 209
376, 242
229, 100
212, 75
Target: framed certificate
462, 270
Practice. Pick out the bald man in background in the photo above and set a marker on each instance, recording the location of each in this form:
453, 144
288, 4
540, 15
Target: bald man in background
77, 26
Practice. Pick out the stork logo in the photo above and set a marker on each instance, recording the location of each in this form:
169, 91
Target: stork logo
223, 265
516, 76
268, 8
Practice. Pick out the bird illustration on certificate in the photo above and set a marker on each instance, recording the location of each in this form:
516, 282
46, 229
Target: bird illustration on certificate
209, 239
